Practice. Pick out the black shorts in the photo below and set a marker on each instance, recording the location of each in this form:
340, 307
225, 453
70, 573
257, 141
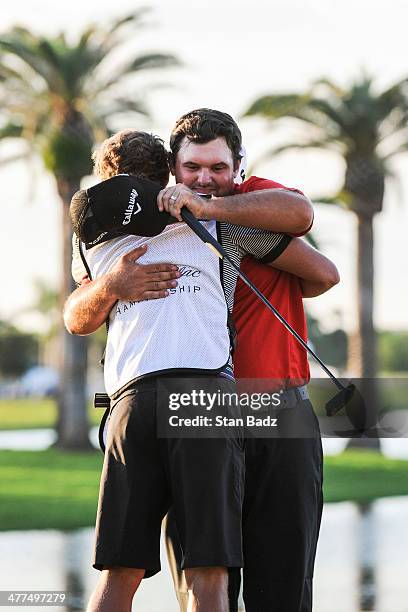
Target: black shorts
143, 475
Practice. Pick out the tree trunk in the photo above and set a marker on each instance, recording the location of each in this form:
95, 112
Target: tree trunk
363, 352
362, 360
73, 423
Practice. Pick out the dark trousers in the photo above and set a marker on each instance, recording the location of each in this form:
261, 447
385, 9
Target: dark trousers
281, 521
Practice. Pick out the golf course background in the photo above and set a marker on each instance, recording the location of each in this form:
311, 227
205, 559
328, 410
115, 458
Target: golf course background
54, 489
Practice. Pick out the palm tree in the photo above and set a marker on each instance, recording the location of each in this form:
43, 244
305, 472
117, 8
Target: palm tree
58, 97
367, 129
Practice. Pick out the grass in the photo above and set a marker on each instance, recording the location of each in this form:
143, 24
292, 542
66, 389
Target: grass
48, 489
29, 413
363, 476
35, 414
58, 490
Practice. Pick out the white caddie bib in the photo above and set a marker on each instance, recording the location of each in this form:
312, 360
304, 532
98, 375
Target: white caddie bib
186, 330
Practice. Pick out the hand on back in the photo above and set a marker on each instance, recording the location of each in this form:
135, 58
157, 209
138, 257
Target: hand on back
129, 280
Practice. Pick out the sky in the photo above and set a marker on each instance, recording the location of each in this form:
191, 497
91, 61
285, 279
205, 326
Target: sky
232, 53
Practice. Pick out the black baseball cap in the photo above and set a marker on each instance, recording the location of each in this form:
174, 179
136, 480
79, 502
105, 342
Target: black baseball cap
123, 204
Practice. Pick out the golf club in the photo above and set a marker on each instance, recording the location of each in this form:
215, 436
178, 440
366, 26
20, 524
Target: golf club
343, 397
127, 204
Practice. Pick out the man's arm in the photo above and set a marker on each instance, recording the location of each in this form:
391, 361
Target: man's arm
88, 307
277, 210
316, 272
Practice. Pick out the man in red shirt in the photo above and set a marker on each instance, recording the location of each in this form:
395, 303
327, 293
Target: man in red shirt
283, 480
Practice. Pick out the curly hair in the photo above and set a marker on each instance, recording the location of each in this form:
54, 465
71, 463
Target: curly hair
203, 125
132, 152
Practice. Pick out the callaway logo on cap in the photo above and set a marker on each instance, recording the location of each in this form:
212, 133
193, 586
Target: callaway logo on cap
129, 211
123, 204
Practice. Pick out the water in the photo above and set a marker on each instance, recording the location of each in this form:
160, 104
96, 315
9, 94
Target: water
40, 439
35, 439
55, 560
362, 562
393, 448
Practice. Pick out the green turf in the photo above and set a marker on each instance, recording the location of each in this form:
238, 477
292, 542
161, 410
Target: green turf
363, 476
59, 490
35, 414
48, 489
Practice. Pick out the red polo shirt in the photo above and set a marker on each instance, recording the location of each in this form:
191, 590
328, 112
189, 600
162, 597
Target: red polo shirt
265, 349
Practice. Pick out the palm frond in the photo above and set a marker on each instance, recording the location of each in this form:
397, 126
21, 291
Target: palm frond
122, 105
335, 89
327, 109
29, 55
301, 107
277, 106
152, 61
396, 121
19, 79
395, 94
79, 67
342, 198
393, 105
389, 144
403, 148
311, 240
335, 200
7, 73
131, 18
48, 51
11, 130
320, 143
86, 36
113, 37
